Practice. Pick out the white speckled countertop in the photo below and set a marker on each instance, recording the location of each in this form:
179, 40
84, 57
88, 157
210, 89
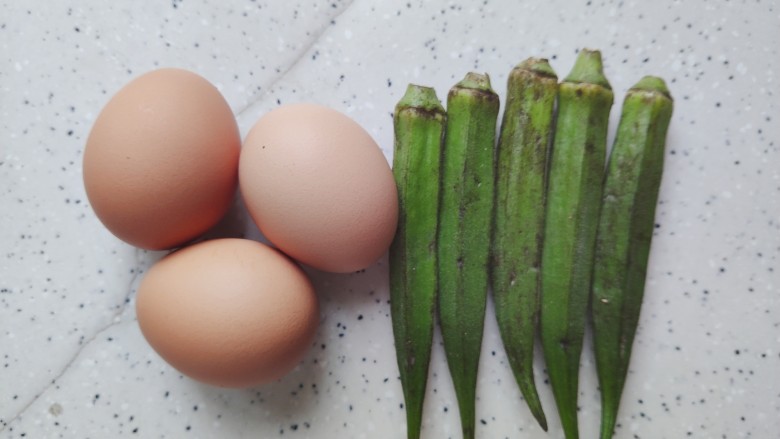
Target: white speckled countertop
73, 363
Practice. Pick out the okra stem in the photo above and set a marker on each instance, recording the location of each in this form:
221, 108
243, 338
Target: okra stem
573, 200
521, 184
419, 122
464, 233
624, 235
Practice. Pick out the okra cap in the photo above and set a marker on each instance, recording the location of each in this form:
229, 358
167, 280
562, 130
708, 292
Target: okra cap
588, 69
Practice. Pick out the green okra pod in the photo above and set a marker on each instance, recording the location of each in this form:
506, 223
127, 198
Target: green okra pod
573, 199
624, 234
464, 232
521, 184
419, 124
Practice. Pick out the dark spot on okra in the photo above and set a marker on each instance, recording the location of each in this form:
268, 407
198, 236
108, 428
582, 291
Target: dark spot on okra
424, 112
537, 94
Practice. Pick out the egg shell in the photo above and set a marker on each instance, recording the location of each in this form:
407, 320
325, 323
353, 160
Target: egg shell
319, 188
228, 312
161, 162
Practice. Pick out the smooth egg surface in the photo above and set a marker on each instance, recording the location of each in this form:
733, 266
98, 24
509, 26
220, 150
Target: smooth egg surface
319, 188
161, 162
228, 312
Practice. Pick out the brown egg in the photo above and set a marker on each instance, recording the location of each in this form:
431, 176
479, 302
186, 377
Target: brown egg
161, 161
319, 188
228, 312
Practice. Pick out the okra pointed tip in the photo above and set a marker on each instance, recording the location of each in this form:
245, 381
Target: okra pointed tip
542, 420
476, 81
419, 96
538, 66
652, 84
588, 68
